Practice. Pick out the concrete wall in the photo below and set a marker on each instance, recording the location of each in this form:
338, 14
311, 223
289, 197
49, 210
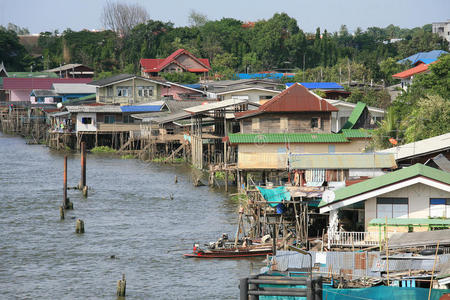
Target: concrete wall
418, 203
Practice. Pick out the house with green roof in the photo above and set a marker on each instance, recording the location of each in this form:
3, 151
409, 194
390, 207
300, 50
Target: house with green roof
292, 132
416, 198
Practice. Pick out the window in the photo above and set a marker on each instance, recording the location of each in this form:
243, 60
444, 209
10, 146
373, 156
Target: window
128, 119
145, 91
392, 207
331, 148
109, 91
315, 123
86, 120
439, 207
123, 91
109, 119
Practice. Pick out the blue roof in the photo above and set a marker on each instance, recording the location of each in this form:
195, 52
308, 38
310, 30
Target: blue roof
319, 85
196, 86
426, 57
140, 108
262, 75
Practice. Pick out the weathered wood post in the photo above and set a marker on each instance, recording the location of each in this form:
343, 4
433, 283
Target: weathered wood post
79, 227
176, 179
66, 201
65, 204
83, 167
121, 286
61, 212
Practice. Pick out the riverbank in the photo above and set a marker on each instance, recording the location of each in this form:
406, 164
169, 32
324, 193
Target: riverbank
128, 214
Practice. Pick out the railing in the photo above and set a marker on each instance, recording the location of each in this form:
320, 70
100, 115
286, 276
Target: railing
357, 239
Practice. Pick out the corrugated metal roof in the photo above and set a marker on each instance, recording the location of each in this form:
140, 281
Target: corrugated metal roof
32, 75
319, 85
94, 109
275, 138
73, 88
297, 98
157, 64
214, 106
43, 93
140, 108
418, 148
357, 133
420, 238
38, 83
342, 161
67, 67
123, 77
388, 179
413, 71
355, 115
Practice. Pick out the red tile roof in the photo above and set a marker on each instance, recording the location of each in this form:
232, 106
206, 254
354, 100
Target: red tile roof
38, 83
157, 64
296, 98
413, 71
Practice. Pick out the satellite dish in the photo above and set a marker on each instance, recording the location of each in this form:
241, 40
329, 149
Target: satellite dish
328, 196
59, 105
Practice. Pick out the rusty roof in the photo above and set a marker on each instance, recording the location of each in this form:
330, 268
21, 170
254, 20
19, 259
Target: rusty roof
296, 98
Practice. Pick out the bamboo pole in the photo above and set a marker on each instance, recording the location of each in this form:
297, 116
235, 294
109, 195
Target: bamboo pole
387, 251
432, 272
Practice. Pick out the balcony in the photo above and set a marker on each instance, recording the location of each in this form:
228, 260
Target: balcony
357, 239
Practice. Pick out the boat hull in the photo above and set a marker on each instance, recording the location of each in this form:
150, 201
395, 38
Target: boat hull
229, 254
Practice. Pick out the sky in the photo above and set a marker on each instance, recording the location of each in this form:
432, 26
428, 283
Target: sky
50, 15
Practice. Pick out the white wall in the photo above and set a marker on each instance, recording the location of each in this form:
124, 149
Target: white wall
86, 127
418, 201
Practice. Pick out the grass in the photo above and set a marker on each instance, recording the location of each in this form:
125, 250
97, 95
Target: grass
128, 156
102, 149
239, 198
221, 175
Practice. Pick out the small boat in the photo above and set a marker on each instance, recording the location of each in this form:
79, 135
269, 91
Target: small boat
225, 248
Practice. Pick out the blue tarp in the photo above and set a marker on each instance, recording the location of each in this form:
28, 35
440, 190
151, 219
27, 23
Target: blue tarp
140, 108
262, 75
426, 57
196, 86
319, 85
275, 196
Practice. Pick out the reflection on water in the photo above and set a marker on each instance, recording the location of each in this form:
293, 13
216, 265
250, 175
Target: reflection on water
129, 214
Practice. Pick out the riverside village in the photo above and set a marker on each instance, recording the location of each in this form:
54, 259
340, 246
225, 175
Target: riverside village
308, 166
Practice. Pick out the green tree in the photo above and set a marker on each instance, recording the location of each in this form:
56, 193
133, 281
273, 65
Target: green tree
12, 53
430, 118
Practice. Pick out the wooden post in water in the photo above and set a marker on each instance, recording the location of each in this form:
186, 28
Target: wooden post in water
61, 212
83, 168
79, 227
121, 286
65, 202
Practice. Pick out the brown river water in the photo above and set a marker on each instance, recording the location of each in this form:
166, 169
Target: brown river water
129, 213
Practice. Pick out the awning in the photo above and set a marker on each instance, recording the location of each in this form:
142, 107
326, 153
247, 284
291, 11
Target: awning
275, 196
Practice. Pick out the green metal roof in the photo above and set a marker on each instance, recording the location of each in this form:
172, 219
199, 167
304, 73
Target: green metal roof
357, 133
279, 138
408, 221
354, 116
88, 97
389, 178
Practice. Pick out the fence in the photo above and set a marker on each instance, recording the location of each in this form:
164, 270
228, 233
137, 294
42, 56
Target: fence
266, 285
357, 239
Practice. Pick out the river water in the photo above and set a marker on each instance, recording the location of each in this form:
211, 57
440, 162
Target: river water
129, 213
